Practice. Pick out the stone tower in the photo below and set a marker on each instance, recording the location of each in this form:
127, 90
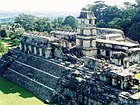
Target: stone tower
86, 33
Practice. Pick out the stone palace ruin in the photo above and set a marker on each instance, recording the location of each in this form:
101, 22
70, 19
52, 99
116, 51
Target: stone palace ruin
93, 66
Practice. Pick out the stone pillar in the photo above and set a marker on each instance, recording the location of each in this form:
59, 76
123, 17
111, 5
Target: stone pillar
40, 52
77, 42
128, 63
61, 43
85, 100
103, 52
113, 81
35, 52
57, 53
80, 98
21, 47
122, 84
30, 49
25, 47
65, 44
111, 53
89, 101
125, 85
47, 52
70, 45
119, 61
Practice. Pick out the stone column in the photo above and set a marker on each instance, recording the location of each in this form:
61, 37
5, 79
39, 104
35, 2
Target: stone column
35, 52
25, 47
85, 100
111, 53
65, 44
30, 49
122, 84
77, 42
128, 63
125, 84
89, 101
70, 45
40, 52
47, 53
119, 61
113, 81
62, 43
21, 46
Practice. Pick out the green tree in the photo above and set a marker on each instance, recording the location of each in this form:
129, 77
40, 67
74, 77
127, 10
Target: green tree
67, 27
134, 32
40, 24
4, 33
102, 23
3, 48
26, 21
15, 42
15, 36
71, 21
98, 8
110, 13
115, 23
57, 23
49, 27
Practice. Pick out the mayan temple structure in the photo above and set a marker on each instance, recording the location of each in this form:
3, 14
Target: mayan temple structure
92, 66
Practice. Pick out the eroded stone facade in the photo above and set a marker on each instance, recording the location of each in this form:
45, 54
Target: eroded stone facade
93, 66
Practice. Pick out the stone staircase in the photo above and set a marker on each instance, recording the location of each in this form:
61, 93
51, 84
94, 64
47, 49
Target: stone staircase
36, 74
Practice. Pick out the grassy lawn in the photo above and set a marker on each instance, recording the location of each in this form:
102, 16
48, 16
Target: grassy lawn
11, 94
138, 76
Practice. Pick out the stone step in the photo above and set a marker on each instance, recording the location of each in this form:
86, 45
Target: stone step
45, 65
34, 73
39, 89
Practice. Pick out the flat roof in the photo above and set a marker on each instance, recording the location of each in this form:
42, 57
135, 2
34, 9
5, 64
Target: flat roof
32, 35
63, 32
86, 15
122, 43
112, 35
111, 29
134, 49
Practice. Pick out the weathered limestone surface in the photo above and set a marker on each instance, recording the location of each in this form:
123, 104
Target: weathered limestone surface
35, 74
52, 80
93, 66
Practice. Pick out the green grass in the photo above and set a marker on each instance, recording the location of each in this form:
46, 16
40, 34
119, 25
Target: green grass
11, 94
137, 76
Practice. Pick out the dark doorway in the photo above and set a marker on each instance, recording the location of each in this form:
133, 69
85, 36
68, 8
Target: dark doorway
98, 52
90, 21
107, 53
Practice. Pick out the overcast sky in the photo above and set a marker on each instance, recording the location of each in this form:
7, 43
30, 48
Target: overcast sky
51, 5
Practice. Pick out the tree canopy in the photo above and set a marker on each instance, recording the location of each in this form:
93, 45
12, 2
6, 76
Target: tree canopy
33, 23
3, 48
70, 21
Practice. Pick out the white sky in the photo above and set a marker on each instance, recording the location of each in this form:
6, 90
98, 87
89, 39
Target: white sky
51, 5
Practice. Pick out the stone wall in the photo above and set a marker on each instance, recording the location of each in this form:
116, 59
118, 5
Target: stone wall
40, 90
95, 83
90, 91
35, 74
